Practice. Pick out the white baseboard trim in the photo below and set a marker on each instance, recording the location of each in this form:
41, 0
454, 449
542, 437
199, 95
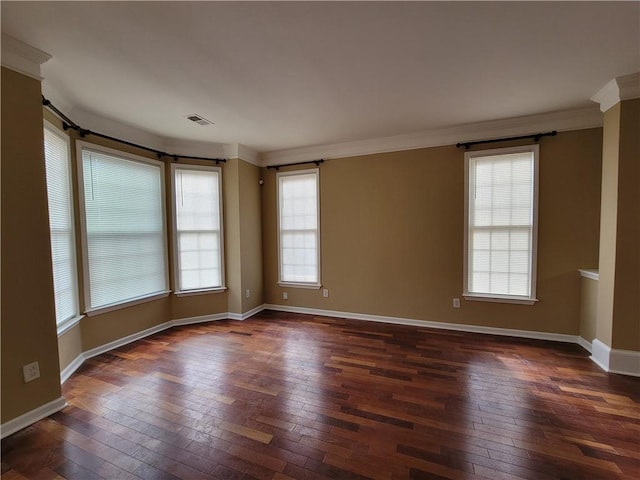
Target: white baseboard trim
26, 419
625, 362
556, 337
125, 340
600, 354
245, 315
79, 360
613, 360
585, 344
200, 319
72, 367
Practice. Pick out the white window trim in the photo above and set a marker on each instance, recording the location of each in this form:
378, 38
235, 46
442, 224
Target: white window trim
309, 285
71, 322
80, 147
513, 299
174, 224
202, 291
68, 324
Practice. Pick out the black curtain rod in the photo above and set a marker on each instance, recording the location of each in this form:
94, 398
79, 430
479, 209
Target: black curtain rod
277, 167
535, 136
67, 124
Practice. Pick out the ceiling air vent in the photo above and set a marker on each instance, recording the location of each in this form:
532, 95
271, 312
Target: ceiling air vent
199, 119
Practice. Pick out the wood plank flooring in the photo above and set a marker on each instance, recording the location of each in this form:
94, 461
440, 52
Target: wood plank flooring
286, 396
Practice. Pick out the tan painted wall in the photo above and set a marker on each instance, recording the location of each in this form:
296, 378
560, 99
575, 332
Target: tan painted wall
626, 308
243, 235
107, 327
392, 236
588, 308
233, 255
608, 223
28, 315
251, 234
69, 346
198, 305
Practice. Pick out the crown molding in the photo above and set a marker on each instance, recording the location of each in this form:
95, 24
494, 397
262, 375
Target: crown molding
239, 151
578, 119
113, 128
22, 58
617, 90
249, 155
195, 148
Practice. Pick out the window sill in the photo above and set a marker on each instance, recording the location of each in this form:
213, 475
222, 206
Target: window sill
309, 286
64, 327
204, 291
500, 299
129, 303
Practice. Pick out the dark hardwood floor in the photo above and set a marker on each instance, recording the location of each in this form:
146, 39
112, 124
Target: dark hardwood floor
284, 396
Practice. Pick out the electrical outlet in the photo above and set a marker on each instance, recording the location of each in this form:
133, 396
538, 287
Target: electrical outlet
325, 292
247, 293
456, 303
31, 372
285, 296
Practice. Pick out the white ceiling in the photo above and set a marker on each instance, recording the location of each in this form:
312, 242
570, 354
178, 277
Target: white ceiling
281, 75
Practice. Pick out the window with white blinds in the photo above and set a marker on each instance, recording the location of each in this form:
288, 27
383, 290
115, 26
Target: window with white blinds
63, 249
501, 219
198, 227
298, 227
122, 199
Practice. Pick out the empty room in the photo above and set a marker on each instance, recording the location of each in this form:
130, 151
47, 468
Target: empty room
320, 240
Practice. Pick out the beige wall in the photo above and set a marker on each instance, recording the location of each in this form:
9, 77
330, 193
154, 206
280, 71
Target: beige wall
243, 235
69, 346
28, 315
392, 236
251, 235
107, 327
588, 308
233, 268
618, 319
608, 223
626, 308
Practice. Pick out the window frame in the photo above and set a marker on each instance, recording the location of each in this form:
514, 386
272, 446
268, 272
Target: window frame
174, 223
81, 146
68, 323
285, 283
492, 297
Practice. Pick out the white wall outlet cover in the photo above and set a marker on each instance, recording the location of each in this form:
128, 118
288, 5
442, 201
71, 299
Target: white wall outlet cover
31, 372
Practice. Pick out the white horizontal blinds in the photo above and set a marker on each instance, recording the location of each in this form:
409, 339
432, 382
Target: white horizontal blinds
63, 252
199, 249
298, 217
124, 221
501, 224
